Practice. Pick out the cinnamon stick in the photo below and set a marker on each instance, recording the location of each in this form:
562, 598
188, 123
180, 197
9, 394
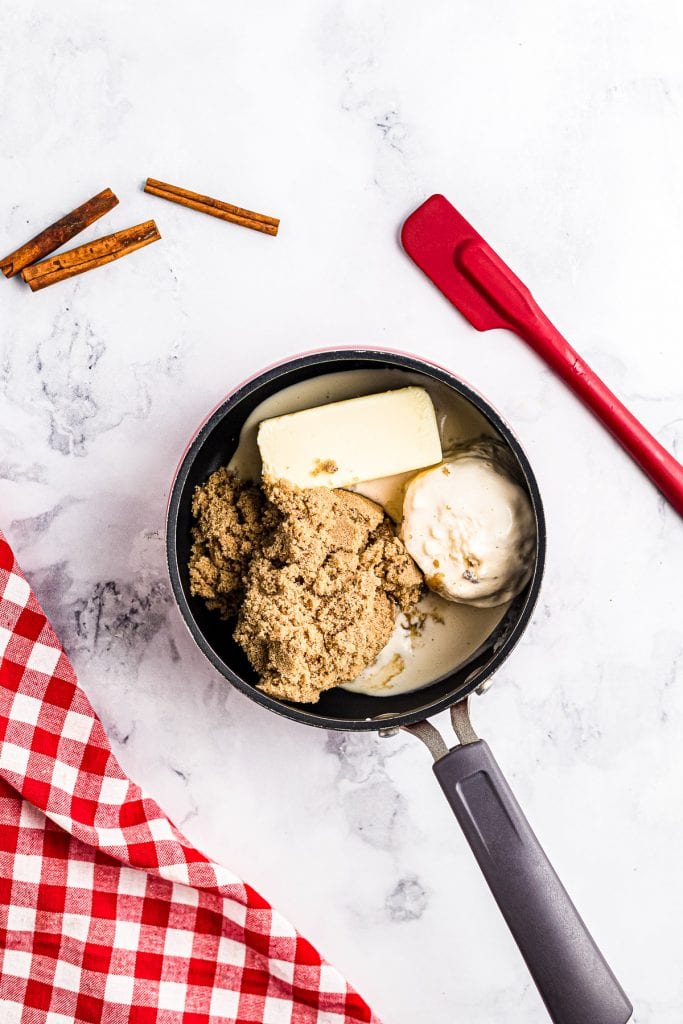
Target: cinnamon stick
58, 233
91, 255
214, 207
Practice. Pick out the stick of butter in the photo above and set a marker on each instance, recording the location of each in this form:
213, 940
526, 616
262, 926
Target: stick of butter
343, 443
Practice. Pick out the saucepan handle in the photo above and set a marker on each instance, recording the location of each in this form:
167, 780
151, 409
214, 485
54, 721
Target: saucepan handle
572, 975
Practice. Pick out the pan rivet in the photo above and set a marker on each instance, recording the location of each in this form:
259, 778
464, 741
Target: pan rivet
392, 730
483, 687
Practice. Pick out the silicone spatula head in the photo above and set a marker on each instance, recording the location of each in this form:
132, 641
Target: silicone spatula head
435, 236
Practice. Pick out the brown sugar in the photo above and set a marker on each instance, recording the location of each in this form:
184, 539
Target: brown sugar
318, 576
232, 517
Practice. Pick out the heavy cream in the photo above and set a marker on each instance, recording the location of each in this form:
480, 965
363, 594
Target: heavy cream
441, 637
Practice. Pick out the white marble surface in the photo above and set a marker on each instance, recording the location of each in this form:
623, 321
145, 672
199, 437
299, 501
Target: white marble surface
558, 128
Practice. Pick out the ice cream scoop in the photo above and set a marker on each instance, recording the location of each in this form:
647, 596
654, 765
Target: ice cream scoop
470, 527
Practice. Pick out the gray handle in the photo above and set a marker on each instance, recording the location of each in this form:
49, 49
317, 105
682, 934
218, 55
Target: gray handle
570, 972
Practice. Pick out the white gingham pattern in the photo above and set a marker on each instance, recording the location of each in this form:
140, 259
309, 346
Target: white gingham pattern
107, 914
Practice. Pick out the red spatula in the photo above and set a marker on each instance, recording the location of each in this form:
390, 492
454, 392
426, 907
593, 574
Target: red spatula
484, 289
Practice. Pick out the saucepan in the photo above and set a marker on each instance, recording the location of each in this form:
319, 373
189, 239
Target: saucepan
573, 978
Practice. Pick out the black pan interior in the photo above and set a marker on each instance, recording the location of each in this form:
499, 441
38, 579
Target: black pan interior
213, 447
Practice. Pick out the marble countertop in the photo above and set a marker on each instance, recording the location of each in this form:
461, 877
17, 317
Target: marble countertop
558, 129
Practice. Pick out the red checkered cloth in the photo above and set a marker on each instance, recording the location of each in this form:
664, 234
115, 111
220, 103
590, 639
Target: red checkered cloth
107, 914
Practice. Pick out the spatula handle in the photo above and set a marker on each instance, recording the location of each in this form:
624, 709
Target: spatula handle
662, 468
512, 299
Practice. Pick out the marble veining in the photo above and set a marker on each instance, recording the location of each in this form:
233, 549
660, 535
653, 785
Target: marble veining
407, 901
374, 809
557, 130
